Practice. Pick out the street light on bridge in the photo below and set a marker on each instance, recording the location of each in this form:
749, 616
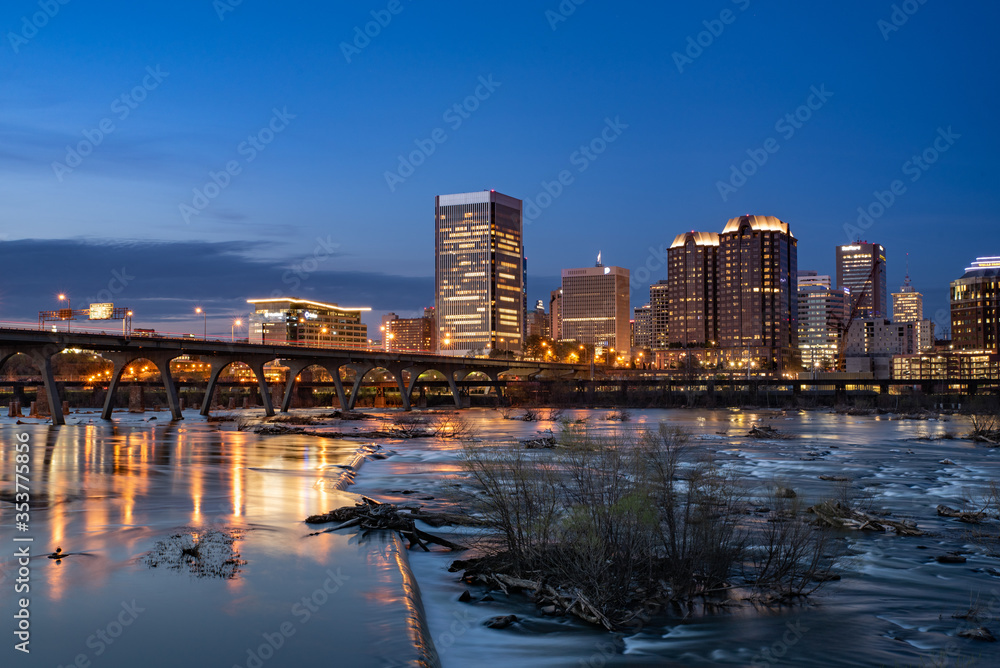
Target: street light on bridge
200, 311
65, 298
232, 330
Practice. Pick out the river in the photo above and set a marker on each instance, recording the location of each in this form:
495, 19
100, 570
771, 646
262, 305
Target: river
262, 592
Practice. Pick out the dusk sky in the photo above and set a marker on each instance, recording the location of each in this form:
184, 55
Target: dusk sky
114, 113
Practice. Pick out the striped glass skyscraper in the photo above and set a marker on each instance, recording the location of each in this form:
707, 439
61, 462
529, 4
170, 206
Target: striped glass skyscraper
479, 273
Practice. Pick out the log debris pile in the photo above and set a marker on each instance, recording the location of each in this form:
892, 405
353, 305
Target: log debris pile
766, 431
835, 514
969, 517
372, 515
552, 601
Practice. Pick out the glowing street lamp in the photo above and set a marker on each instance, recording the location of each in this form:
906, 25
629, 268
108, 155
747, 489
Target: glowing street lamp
232, 330
200, 311
69, 304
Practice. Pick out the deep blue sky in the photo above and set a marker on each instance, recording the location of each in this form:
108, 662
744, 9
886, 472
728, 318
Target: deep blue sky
323, 176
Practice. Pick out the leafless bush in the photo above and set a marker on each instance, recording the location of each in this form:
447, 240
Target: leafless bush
554, 415
620, 415
636, 516
505, 412
451, 426
529, 415
985, 428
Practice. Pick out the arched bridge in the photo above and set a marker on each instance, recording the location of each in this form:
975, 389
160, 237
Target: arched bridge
405, 368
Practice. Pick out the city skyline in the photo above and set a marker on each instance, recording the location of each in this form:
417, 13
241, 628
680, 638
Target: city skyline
208, 179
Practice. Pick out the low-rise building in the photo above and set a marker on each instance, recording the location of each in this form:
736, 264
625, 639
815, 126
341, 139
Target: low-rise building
302, 322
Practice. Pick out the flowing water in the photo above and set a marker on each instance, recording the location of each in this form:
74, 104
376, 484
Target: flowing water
264, 593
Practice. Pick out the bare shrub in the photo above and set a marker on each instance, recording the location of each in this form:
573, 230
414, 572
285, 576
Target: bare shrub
985, 428
529, 415
451, 426
637, 516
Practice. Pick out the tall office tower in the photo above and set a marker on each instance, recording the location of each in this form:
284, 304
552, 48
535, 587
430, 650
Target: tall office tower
659, 303
907, 304
823, 314
692, 279
642, 327
524, 294
479, 273
555, 314
861, 267
975, 307
595, 306
812, 279
758, 299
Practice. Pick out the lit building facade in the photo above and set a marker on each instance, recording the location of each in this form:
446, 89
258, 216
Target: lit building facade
947, 365
757, 294
861, 268
538, 321
290, 321
642, 327
555, 314
907, 304
479, 273
659, 304
823, 314
975, 307
409, 334
692, 288
595, 306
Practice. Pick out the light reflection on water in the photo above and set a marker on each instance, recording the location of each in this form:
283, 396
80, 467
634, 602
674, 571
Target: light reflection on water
112, 493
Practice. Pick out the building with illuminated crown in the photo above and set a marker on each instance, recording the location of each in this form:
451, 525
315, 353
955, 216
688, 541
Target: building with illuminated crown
975, 307
758, 297
289, 321
479, 273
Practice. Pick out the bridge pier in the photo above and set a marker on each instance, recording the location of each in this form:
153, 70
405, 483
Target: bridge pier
294, 369
42, 357
161, 361
218, 365
44, 362
360, 369
256, 364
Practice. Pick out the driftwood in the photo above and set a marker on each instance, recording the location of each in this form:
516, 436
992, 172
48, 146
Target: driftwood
834, 514
373, 515
968, 517
765, 431
544, 596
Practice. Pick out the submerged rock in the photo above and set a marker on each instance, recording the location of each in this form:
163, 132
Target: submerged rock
982, 633
501, 622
